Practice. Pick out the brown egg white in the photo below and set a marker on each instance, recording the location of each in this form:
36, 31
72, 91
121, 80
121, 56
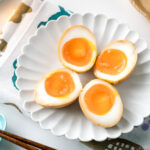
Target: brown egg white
58, 88
77, 48
101, 103
116, 61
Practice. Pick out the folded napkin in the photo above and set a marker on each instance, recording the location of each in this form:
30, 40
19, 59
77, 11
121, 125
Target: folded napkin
30, 15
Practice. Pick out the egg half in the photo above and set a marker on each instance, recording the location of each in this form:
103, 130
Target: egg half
58, 88
101, 103
116, 61
77, 48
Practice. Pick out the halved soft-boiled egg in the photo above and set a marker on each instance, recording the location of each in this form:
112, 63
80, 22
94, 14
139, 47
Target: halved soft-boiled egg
77, 48
101, 103
116, 61
58, 88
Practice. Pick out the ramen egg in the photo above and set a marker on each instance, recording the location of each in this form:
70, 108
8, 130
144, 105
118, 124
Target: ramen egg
58, 88
77, 48
101, 103
116, 61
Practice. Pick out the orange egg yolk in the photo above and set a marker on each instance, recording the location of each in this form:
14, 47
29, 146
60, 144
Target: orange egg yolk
78, 51
111, 61
99, 99
59, 84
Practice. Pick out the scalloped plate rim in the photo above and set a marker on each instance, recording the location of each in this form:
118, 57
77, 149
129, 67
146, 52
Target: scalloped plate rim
29, 42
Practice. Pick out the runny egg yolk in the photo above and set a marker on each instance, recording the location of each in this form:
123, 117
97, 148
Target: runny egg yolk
59, 84
111, 61
99, 99
78, 51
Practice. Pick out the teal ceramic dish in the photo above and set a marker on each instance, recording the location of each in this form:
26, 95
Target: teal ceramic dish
2, 123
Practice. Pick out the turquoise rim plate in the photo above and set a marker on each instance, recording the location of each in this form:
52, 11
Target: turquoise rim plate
2, 123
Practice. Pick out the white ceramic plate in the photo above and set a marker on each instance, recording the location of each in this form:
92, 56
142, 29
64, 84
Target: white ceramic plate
40, 56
